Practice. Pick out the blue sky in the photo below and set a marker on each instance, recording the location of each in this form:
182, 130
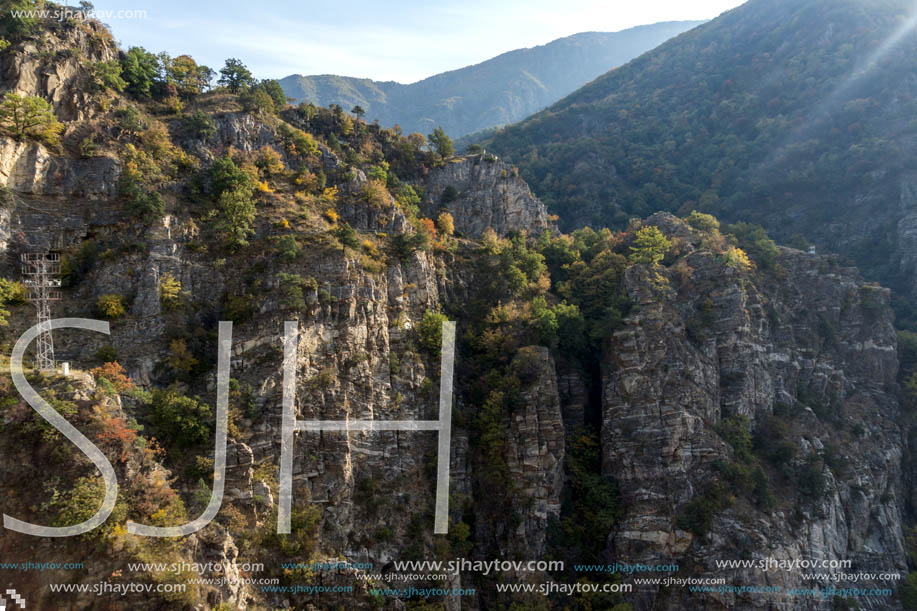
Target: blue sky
401, 40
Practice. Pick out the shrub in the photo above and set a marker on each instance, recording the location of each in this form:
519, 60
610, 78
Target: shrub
14, 293
754, 240
156, 141
269, 161
225, 175
118, 432
445, 223
110, 306
115, 375
239, 307
180, 419
275, 91
735, 431
379, 172
293, 285
257, 102
450, 194
428, 227
300, 542
81, 503
181, 360
375, 194
811, 478
703, 222
650, 246
170, 294
405, 244
200, 125
18, 27
144, 203
909, 592
331, 215
737, 259
430, 332
288, 248
697, 516
130, 119
347, 236
106, 354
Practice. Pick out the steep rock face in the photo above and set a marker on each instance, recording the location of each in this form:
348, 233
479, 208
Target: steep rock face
57, 67
716, 347
29, 168
482, 194
535, 450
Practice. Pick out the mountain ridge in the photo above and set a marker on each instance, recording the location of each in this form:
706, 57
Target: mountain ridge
506, 88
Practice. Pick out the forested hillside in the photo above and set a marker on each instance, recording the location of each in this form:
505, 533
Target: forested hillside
798, 115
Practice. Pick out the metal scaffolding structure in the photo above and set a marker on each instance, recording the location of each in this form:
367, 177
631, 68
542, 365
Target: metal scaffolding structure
41, 272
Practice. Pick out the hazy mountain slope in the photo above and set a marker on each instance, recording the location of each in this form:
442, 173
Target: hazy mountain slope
795, 114
495, 92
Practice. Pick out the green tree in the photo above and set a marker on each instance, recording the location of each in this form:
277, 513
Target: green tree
442, 143
185, 74
30, 116
107, 75
206, 76
139, 68
236, 213
650, 246
19, 27
235, 75
358, 111
273, 89
225, 175
183, 420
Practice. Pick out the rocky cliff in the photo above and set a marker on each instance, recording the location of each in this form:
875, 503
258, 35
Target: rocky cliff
482, 192
804, 359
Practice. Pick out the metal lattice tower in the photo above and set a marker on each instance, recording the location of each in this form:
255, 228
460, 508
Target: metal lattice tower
42, 277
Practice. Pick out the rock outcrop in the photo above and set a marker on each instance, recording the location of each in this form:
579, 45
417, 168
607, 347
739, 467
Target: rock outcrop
481, 192
57, 67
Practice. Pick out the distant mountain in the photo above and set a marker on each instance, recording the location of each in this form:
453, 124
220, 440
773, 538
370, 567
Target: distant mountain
800, 115
498, 91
